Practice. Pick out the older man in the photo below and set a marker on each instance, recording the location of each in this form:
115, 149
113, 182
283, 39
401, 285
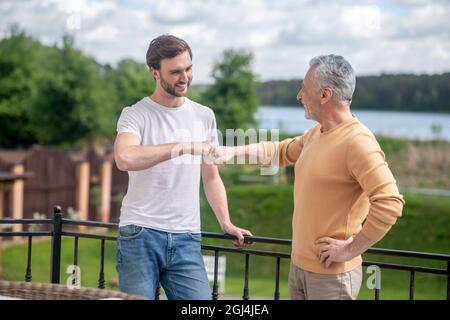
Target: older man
341, 179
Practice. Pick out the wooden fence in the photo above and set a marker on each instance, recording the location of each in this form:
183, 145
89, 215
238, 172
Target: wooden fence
88, 183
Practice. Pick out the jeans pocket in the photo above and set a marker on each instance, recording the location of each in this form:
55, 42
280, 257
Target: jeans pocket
195, 236
130, 232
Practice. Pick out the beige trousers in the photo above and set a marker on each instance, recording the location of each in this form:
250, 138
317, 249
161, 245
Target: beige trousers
305, 285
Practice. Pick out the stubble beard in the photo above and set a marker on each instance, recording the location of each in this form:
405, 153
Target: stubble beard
171, 89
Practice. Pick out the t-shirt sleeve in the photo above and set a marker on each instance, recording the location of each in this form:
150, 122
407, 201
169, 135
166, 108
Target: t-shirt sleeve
212, 130
130, 121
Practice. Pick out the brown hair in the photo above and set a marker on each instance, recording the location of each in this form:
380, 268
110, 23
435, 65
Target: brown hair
165, 47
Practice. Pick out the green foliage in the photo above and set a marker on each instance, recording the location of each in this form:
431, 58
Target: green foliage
132, 81
279, 92
57, 95
390, 145
71, 104
256, 207
196, 92
405, 92
233, 94
19, 62
51, 95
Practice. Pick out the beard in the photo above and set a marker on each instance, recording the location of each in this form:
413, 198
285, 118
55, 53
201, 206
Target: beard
171, 89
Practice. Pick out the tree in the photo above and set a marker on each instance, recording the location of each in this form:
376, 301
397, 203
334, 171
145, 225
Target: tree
19, 68
73, 104
132, 81
400, 92
233, 94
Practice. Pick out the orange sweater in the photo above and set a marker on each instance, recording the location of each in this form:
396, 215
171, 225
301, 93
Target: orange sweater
341, 179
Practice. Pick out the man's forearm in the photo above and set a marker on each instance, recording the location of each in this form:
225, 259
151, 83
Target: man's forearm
217, 199
255, 153
359, 245
135, 158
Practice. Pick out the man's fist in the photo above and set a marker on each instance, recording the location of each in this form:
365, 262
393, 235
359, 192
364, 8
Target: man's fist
218, 154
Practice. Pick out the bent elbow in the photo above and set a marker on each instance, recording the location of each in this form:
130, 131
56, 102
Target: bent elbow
122, 162
122, 166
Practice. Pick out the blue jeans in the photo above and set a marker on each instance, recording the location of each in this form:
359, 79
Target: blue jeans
146, 257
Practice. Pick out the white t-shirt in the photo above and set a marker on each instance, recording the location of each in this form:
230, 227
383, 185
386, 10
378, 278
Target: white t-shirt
166, 196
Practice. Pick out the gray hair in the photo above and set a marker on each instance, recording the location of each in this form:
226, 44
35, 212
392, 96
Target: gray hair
335, 72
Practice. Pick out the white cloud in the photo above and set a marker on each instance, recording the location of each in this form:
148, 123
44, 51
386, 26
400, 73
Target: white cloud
376, 36
440, 51
102, 33
362, 21
178, 11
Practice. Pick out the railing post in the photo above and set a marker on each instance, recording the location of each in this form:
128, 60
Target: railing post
215, 293
75, 273
276, 295
56, 245
448, 280
101, 276
411, 285
28, 275
246, 296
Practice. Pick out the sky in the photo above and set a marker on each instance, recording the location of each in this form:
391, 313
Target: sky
376, 36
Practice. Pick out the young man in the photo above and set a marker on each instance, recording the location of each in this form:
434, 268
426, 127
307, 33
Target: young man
160, 143
341, 179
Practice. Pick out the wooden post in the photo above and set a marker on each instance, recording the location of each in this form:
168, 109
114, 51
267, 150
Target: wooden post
16, 197
106, 185
82, 193
1, 203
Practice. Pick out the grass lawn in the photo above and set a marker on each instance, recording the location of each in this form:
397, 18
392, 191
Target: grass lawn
14, 262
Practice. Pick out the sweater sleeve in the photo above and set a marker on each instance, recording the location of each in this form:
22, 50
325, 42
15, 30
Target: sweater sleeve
366, 163
283, 153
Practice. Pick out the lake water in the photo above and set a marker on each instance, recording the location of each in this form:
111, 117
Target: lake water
396, 124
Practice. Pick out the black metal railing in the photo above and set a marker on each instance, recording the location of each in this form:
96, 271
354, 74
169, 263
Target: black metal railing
57, 231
